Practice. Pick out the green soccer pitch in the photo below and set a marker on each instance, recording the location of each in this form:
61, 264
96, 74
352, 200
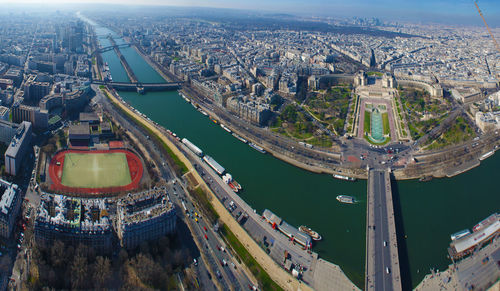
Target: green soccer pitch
95, 170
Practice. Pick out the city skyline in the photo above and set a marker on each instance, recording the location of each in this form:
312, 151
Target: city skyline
460, 12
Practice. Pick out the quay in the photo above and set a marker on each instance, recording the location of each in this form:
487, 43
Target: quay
382, 261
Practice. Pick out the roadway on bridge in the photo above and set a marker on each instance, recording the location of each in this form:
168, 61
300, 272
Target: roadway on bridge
382, 263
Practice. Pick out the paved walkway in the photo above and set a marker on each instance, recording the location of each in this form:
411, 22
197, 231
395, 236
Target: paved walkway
472, 270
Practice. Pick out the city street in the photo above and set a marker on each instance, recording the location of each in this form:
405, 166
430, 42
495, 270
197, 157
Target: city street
215, 257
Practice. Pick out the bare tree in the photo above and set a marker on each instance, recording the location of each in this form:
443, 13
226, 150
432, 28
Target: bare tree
57, 254
102, 272
79, 272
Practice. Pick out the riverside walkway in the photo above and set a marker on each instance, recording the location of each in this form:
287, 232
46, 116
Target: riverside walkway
382, 261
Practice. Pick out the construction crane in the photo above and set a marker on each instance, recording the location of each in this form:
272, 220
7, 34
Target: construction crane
487, 27
491, 34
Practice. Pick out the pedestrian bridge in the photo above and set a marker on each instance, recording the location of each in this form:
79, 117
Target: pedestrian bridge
382, 260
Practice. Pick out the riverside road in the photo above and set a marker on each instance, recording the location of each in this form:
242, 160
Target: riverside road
234, 279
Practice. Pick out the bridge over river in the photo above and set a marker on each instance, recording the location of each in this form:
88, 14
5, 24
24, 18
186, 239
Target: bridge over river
382, 261
109, 48
133, 86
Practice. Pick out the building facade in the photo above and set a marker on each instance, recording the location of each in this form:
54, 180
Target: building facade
18, 148
74, 221
145, 216
250, 110
38, 117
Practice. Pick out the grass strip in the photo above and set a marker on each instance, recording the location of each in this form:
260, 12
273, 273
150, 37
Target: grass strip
202, 198
177, 164
367, 122
385, 121
265, 282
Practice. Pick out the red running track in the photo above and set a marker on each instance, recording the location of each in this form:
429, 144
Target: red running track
55, 171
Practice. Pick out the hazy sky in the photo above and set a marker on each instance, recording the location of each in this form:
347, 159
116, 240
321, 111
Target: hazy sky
452, 11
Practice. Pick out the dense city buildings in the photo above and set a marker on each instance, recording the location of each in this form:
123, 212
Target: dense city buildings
353, 98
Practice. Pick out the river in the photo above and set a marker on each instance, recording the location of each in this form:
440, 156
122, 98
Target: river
427, 213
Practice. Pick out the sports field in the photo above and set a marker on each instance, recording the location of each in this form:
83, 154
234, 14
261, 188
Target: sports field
95, 170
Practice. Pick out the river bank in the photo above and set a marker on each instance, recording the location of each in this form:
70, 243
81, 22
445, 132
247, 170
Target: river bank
449, 168
284, 279
302, 197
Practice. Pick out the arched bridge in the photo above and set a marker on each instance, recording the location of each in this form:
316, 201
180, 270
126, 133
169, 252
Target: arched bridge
108, 48
133, 86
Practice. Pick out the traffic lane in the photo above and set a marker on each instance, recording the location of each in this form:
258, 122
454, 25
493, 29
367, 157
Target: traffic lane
211, 248
223, 256
212, 257
386, 260
214, 243
201, 238
383, 280
205, 281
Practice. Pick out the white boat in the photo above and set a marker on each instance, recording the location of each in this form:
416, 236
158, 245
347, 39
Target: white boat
346, 199
486, 155
225, 128
342, 177
240, 138
256, 147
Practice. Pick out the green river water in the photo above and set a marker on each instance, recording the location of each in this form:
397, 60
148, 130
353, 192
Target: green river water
427, 213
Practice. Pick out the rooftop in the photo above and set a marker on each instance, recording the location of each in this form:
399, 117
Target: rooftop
17, 140
143, 206
79, 129
87, 117
10, 191
73, 214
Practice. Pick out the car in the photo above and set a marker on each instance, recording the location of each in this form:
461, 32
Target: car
18, 246
385, 243
224, 263
206, 237
218, 274
387, 270
195, 262
204, 228
196, 219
